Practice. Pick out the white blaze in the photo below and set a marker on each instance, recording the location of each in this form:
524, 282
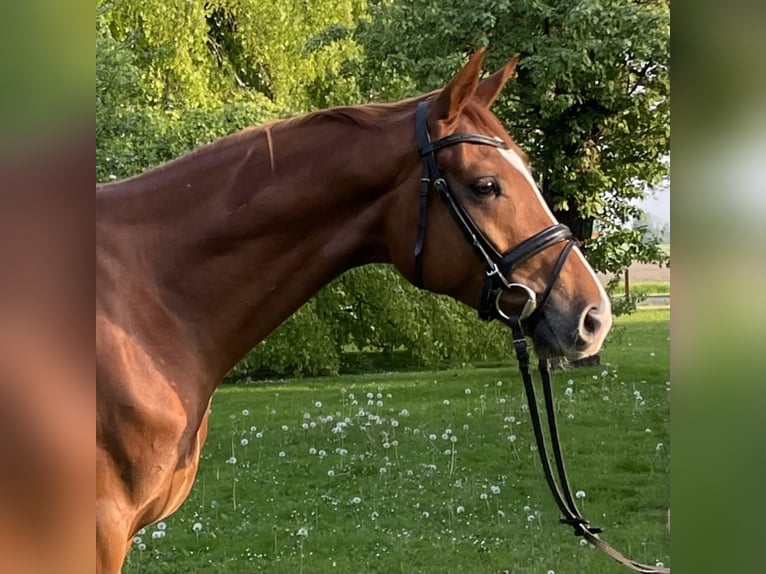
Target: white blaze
518, 164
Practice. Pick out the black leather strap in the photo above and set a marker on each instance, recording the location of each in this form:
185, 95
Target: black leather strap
561, 490
464, 138
534, 245
497, 267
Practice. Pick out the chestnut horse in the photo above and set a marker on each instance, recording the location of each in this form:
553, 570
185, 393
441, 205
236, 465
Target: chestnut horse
200, 259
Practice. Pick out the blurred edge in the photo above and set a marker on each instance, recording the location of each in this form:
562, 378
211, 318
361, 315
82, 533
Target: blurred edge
47, 155
719, 276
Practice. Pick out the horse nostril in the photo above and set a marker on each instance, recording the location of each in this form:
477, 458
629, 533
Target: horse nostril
590, 324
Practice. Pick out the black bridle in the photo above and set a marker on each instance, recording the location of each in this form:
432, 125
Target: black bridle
497, 267
497, 270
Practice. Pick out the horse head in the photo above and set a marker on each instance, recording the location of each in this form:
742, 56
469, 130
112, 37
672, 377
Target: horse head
493, 243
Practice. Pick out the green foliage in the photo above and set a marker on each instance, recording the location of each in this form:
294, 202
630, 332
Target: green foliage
237, 50
590, 104
303, 345
374, 309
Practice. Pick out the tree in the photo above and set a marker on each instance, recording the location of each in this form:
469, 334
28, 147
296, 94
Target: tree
590, 104
236, 50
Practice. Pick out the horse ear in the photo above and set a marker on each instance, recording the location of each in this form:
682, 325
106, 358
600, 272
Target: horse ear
489, 88
449, 103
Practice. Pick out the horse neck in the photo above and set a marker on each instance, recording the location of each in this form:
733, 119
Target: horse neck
231, 240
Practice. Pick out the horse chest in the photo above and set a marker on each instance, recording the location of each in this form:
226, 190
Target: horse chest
150, 437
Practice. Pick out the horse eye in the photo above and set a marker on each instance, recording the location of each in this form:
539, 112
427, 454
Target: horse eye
486, 186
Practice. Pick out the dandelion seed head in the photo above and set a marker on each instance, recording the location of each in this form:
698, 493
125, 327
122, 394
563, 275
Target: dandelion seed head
282, 454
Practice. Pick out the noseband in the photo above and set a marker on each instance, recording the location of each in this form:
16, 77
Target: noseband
497, 269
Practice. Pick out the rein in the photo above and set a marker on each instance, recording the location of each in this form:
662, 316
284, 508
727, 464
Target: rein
497, 269
562, 493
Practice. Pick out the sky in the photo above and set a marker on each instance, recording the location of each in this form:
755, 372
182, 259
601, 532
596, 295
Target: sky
657, 203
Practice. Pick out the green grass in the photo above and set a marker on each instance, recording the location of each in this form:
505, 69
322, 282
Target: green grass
642, 288
426, 504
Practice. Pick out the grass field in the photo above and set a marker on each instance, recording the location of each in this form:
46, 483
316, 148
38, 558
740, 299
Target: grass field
427, 472
640, 288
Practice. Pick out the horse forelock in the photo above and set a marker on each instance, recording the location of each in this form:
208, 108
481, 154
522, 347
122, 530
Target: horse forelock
487, 123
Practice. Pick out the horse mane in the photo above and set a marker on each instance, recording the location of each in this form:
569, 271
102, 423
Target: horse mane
366, 116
